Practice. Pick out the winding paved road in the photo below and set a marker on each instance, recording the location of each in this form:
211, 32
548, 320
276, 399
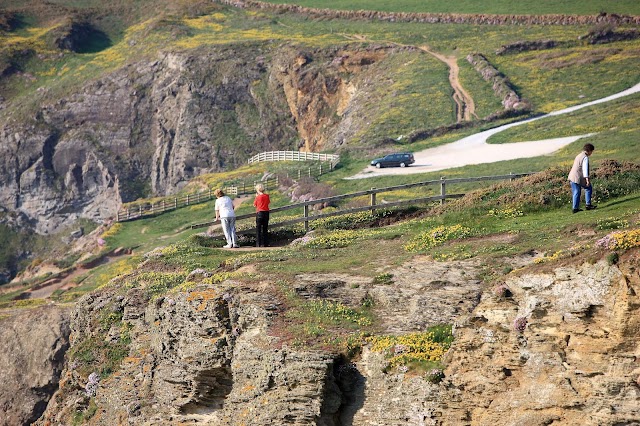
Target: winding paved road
474, 149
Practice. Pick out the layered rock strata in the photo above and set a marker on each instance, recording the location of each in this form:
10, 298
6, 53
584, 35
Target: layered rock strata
555, 346
34, 343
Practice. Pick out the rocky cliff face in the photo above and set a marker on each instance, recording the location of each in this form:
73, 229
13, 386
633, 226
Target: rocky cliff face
575, 362
209, 355
31, 361
146, 129
150, 127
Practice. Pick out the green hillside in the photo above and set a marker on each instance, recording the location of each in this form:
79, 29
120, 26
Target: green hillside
505, 7
404, 92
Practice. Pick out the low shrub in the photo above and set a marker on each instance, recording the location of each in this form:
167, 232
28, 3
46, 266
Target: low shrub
436, 236
383, 279
548, 189
418, 350
620, 240
346, 221
611, 223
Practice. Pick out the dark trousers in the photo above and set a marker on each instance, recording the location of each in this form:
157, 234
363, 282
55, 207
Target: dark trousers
262, 223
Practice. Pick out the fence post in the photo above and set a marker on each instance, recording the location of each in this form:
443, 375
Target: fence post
164, 208
512, 178
187, 199
320, 169
175, 203
373, 201
209, 194
298, 174
306, 216
140, 210
118, 216
443, 190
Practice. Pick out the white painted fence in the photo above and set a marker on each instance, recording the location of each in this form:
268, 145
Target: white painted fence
333, 159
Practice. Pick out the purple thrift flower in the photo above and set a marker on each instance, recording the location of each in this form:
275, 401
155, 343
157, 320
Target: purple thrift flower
520, 324
92, 384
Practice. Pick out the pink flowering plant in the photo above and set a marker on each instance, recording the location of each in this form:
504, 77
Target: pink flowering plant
620, 240
501, 291
520, 324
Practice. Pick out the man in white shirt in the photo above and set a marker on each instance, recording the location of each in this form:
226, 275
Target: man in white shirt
579, 178
227, 216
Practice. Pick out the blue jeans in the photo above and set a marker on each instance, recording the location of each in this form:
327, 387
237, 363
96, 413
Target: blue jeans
229, 229
576, 192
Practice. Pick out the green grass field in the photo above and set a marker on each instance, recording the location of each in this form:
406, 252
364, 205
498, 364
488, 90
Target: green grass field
503, 7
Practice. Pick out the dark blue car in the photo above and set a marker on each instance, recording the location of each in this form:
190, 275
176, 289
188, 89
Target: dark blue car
401, 159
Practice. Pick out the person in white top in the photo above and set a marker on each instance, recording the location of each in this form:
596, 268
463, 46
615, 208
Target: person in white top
227, 217
579, 178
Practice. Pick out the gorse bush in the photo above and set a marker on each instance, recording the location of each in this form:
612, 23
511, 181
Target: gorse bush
614, 179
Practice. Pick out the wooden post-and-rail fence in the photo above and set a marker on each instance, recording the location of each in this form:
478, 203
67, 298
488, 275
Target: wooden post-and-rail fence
141, 210
168, 204
373, 205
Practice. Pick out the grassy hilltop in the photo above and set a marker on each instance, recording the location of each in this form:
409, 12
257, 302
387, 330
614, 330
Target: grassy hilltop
492, 225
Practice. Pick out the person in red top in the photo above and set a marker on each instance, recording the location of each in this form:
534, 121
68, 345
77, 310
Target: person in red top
261, 203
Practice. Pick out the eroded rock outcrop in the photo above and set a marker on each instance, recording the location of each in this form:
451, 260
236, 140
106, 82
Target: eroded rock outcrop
574, 363
526, 46
500, 83
211, 355
199, 356
34, 343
